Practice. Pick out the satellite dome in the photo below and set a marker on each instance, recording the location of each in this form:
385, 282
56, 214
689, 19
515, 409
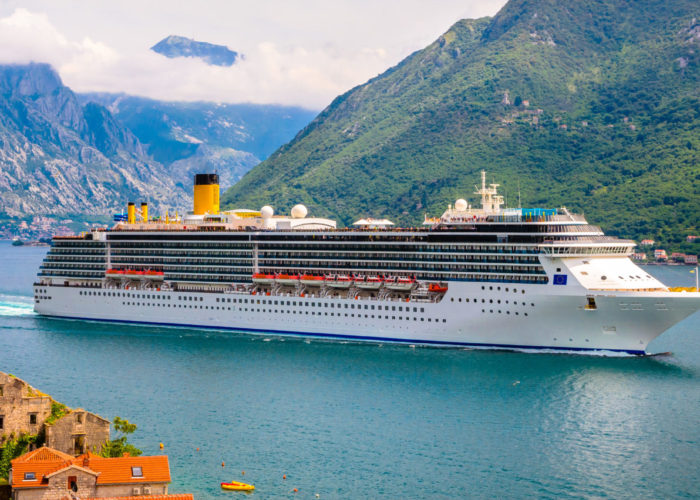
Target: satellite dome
266, 212
299, 211
461, 205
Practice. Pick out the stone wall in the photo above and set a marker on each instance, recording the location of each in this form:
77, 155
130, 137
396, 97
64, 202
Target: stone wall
23, 409
78, 432
126, 490
59, 487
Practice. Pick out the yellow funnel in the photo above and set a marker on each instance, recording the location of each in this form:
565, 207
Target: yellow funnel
144, 211
131, 213
206, 194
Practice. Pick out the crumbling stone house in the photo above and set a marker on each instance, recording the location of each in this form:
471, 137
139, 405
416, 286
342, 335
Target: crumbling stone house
25, 410
77, 432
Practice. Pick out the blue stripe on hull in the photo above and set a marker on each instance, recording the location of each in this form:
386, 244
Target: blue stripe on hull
348, 337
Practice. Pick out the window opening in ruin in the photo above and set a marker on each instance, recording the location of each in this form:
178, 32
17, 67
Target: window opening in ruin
79, 418
2, 422
73, 483
79, 445
32, 419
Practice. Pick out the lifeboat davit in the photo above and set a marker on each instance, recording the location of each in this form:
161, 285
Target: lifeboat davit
287, 279
263, 279
341, 281
369, 282
311, 280
400, 284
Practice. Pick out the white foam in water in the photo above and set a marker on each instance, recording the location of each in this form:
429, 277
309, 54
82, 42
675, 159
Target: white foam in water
15, 306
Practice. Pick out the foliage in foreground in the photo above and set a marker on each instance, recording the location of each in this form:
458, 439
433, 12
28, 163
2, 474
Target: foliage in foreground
117, 447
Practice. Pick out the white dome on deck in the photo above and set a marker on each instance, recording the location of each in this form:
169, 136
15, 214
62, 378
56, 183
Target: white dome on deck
266, 212
299, 211
461, 205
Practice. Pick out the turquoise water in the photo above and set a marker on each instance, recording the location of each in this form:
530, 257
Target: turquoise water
346, 420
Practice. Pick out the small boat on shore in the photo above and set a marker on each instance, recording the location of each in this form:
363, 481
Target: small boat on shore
237, 486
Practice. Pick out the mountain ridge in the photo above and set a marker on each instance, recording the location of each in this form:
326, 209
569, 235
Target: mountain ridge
57, 155
572, 101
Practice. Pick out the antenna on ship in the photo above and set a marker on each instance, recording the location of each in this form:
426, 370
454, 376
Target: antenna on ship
520, 205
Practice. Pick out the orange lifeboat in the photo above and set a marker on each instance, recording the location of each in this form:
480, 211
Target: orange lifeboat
263, 279
287, 279
311, 280
437, 288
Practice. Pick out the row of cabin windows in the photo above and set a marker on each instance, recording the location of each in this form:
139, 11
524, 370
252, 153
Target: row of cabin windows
245, 277
499, 311
317, 267
251, 301
294, 311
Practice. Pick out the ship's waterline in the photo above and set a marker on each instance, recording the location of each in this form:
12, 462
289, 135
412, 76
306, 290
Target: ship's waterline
486, 277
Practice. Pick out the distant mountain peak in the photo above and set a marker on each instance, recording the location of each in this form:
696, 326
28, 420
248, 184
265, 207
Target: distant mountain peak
180, 46
28, 79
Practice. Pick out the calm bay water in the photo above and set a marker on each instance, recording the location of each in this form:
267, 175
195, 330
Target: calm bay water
346, 420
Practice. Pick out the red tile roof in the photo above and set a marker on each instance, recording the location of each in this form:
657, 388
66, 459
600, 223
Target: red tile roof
41, 462
45, 461
118, 470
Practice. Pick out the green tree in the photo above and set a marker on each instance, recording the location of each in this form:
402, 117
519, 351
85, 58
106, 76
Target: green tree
117, 447
13, 448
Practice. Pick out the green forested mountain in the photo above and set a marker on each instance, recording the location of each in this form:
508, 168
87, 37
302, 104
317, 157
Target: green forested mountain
592, 104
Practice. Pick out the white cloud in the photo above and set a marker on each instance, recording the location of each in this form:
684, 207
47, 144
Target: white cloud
28, 36
285, 65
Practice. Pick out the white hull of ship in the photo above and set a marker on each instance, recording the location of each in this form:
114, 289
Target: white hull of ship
544, 317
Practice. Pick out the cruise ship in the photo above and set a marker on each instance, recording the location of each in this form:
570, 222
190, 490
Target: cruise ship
486, 276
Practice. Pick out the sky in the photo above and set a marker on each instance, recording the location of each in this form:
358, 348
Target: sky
301, 53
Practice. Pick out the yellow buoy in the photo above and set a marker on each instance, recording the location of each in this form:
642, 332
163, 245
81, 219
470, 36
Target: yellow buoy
161, 446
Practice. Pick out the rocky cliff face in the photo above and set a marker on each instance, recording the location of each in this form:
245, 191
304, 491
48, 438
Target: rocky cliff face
60, 157
190, 137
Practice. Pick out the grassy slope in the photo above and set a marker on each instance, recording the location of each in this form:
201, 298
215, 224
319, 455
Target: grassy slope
413, 139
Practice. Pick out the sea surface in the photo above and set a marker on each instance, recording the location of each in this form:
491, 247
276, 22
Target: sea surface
346, 420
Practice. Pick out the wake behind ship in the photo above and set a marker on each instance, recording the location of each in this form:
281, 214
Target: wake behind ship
484, 277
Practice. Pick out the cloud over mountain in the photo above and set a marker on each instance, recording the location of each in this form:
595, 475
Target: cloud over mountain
286, 62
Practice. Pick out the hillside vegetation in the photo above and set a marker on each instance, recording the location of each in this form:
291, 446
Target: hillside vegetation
590, 104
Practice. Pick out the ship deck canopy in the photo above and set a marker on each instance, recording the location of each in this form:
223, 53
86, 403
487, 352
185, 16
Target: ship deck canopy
373, 223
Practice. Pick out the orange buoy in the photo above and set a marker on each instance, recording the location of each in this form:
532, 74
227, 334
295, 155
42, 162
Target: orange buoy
295, 490
161, 446
223, 464
242, 473
197, 449
284, 477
